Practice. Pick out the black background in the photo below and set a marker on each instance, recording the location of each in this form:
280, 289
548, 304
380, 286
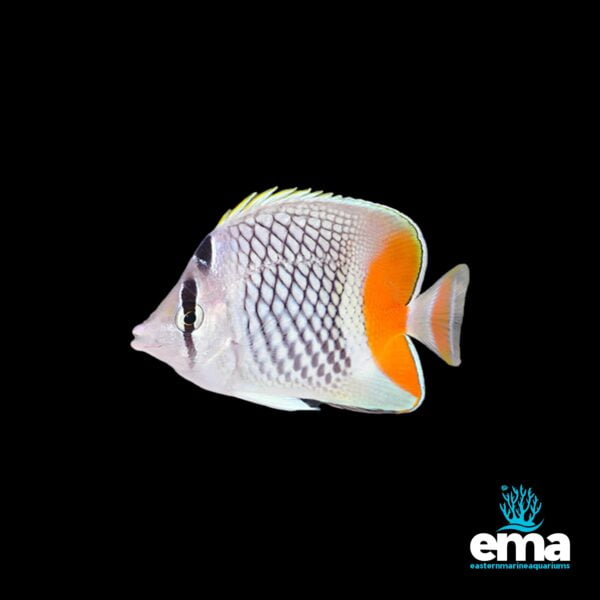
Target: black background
484, 157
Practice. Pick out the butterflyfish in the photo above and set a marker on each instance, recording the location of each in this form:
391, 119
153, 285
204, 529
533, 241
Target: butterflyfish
301, 298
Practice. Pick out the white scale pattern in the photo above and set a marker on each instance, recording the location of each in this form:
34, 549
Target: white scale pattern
300, 291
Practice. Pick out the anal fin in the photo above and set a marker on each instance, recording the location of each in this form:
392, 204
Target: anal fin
371, 390
279, 402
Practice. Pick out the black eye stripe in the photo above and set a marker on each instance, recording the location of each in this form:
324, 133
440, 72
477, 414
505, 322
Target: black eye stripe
189, 293
204, 254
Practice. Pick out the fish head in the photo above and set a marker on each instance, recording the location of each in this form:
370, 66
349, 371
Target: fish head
190, 330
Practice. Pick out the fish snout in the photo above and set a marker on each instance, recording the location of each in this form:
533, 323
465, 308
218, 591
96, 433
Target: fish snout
138, 330
141, 340
136, 342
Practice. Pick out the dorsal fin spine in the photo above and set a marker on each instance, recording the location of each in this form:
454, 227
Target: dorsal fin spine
269, 196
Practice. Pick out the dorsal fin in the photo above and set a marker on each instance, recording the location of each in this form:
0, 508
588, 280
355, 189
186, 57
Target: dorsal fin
271, 196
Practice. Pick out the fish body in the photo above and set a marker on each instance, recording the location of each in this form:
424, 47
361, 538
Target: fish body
299, 298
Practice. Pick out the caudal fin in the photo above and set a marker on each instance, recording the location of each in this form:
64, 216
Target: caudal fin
435, 317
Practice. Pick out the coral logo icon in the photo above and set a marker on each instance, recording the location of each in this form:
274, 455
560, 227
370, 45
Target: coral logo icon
521, 509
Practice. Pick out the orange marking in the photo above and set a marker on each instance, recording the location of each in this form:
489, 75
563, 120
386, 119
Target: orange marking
440, 319
388, 287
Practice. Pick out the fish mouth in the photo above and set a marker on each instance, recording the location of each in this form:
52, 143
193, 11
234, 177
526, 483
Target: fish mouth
139, 336
137, 344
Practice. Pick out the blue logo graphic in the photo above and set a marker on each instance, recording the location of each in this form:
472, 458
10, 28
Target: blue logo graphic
520, 508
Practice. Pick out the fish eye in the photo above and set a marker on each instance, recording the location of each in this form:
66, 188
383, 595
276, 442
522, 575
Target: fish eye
189, 319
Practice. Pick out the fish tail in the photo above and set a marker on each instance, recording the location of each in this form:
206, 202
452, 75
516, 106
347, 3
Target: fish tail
435, 317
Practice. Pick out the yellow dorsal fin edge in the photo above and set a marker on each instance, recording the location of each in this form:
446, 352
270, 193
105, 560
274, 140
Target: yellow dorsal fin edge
270, 196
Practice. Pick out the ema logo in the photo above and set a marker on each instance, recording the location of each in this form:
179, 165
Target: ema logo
521, 509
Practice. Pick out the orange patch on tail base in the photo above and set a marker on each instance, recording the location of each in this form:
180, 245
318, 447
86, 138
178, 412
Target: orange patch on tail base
389, 286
